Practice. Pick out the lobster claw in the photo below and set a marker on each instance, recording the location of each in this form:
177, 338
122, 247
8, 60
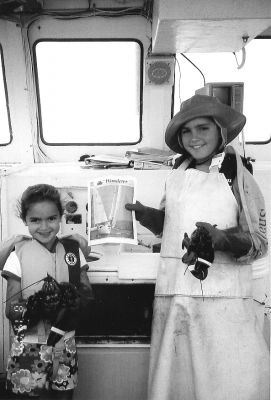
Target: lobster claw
186, 241
200, 270
189, 258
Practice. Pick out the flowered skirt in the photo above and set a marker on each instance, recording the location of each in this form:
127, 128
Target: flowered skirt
31, 368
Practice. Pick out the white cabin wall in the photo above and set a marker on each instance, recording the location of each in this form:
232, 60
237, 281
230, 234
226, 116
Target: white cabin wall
20, 149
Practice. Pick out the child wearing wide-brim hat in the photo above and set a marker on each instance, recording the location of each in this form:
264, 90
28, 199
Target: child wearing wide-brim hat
230, 121
206, 342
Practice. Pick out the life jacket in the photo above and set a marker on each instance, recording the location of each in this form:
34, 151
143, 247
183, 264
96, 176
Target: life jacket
72, 259
36, 262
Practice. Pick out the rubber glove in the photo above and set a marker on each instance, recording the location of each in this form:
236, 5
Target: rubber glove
138, 208
150, 218
231, 240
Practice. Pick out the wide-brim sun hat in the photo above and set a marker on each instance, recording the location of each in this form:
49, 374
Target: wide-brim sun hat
230, 120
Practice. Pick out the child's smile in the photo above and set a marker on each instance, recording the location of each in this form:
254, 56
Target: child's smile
200, 137
43, 221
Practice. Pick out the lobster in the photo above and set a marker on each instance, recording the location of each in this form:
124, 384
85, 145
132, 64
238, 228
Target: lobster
200, 252
55, 302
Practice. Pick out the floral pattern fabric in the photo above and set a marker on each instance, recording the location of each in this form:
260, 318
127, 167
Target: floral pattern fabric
30, 367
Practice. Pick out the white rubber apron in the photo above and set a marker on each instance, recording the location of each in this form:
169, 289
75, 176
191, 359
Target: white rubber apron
206, 347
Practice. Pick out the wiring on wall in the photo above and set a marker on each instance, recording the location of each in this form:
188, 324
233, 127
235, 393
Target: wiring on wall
194, 65
35, 10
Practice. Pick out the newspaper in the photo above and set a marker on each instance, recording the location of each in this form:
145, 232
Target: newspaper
108, 219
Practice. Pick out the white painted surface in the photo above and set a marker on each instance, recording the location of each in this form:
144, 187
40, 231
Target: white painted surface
181, 26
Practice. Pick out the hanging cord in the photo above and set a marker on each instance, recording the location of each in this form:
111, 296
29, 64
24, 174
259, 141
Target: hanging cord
194, 65
240, 65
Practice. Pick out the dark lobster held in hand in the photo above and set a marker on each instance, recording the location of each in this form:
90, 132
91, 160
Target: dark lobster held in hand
58, 303
200, 252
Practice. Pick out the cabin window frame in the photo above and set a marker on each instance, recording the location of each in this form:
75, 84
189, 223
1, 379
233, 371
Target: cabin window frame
254, 142
140, 100
6, 98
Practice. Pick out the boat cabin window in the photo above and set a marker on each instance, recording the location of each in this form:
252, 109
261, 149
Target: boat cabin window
5, 128
89, 92
223, 67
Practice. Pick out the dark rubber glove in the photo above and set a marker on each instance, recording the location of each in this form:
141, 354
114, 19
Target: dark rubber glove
150, 218
231, 240
138, 208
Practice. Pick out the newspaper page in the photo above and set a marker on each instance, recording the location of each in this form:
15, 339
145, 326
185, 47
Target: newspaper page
108, 219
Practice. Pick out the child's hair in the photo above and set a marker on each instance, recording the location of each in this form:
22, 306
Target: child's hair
37, 194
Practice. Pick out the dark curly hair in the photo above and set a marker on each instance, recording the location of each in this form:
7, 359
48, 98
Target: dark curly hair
37, 194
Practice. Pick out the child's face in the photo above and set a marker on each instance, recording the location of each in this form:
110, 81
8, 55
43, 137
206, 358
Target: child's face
43, 222
200, 137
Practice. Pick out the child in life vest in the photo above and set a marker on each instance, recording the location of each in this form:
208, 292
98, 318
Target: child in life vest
43, 354
206, 342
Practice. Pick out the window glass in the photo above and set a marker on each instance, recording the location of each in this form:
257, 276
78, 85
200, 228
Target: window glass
5, 135
222, 67
89, 91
